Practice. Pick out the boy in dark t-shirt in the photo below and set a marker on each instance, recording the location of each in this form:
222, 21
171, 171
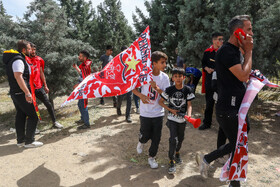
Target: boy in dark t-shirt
179, 98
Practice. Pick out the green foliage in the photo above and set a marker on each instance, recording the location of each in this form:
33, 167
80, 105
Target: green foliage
49, 33
199, 19
81, 18
112, 28
164, 25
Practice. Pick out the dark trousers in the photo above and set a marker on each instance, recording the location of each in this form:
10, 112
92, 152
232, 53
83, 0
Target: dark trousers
24, 112
128, 102
209, 107
136, 100
42, 96
229, 125
151, 130
222, 137
195, 83
177, 134
114, 99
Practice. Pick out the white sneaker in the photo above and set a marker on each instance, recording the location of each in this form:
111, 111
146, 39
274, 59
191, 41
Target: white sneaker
203, 166
153, 163
20, 144
139, 148
37, 131
34, 144
137, 111
58, 125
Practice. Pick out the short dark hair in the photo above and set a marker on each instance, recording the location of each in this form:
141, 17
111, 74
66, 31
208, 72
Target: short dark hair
157, 55
179, 71
108, 47
22, 44
85, 53
237, 22
124, 48
216, 34
32, 45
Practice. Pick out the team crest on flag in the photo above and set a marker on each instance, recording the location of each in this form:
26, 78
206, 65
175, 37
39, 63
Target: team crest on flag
128, 70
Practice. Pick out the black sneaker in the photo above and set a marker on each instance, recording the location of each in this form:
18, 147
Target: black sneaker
119, 112
83, 127
178, 159
79, 121
204, 126
234, 184
128, 119
172, 167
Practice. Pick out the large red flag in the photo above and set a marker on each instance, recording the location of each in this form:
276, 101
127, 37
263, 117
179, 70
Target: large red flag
128, 70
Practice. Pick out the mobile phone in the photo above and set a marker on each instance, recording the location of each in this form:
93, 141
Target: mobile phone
236, 33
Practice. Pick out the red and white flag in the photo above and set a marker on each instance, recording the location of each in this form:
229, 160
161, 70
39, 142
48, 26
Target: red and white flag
128, 70
237, 170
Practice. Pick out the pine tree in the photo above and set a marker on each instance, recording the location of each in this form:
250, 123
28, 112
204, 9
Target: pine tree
199, 19
81, 18
164, 25
112, 28
48, 31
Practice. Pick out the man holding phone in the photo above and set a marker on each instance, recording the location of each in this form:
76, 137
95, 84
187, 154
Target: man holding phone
233, 71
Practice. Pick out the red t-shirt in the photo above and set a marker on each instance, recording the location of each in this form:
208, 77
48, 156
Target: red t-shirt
37, 62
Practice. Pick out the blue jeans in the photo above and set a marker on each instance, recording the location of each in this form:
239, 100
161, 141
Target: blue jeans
83, 111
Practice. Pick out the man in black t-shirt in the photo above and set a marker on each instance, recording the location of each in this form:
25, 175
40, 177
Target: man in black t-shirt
232, 74
208, 66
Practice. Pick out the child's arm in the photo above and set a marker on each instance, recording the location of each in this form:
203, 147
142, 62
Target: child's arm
161, 103
155, 87
145, 99
189, 109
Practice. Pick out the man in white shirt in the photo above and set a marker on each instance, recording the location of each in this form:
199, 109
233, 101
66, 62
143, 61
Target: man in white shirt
18, 72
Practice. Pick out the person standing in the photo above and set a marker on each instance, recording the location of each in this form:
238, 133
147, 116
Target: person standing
151, 113
232, 72
84, 70
40, 84
208, 66
179, 98
18, 72
128, 101
180, 61
193, 75
105, 59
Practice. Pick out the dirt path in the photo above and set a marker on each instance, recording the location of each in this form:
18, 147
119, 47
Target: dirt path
106, 154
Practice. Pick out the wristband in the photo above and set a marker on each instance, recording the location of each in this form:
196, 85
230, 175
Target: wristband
28, 95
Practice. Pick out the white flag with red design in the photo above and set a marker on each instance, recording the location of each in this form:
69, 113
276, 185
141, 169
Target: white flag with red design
237, 170
128, 70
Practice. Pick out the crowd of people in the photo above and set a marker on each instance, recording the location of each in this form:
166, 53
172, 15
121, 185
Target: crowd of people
222, 62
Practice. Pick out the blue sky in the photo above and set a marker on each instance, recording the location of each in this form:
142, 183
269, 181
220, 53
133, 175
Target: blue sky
16, 8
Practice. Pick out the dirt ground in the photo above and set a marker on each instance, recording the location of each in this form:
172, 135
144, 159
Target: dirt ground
105, 155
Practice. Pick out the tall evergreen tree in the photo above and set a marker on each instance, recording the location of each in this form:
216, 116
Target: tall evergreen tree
164, 24
48, 31
8, 32
81, 18
112, 27
199, 19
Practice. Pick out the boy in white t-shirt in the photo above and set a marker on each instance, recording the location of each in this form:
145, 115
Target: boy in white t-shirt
151, 113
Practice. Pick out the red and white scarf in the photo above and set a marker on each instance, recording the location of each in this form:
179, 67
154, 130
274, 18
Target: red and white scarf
238, 168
